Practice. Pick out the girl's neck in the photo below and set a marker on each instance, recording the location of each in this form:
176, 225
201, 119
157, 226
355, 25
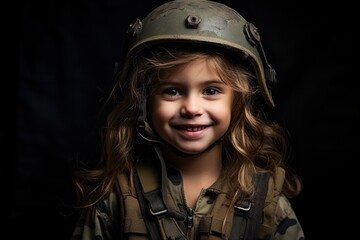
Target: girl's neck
208, 162
198, 171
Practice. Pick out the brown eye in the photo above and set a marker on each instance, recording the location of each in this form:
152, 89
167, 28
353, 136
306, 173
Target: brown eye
172, 92
211, 91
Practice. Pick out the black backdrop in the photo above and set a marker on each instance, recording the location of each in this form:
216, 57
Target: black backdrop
67, 51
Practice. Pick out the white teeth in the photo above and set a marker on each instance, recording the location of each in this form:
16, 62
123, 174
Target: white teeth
194, 129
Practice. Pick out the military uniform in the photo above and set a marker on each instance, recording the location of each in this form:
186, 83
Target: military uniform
102, 221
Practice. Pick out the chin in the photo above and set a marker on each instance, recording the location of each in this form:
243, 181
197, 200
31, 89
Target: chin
191, 151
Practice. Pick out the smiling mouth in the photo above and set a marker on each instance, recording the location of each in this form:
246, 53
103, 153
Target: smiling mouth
191, 128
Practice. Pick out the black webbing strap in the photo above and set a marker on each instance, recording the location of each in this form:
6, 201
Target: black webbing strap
151, 191
150, 222
152, 177
248, 215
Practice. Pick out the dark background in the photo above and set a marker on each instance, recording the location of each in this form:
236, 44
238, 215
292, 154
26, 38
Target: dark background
66, 53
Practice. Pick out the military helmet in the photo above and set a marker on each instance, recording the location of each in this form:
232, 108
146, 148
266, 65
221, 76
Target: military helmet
201, 22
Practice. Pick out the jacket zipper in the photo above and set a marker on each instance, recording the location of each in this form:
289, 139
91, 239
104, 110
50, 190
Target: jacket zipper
189, 222
190, 218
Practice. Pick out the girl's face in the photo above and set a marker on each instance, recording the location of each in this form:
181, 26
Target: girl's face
191, 109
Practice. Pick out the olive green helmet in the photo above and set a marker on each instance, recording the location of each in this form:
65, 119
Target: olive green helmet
201, 22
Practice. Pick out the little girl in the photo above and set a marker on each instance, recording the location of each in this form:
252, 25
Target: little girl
187, 143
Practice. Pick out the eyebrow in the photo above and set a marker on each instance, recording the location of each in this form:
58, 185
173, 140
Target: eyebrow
215, 81
179, 83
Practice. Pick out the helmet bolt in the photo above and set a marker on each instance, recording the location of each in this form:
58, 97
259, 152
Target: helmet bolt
192, 22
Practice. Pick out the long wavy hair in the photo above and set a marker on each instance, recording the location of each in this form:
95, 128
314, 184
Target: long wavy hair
252, 144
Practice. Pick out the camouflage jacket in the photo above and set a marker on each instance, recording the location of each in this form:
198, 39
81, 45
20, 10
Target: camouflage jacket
103, 220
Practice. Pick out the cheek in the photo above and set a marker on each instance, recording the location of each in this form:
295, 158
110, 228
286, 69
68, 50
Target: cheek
222, 111
160, 113
221, 114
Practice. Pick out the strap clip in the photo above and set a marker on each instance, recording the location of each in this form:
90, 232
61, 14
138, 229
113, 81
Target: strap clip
243, 206
158, 212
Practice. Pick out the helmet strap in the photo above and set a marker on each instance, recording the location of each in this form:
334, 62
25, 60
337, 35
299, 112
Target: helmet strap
253, 37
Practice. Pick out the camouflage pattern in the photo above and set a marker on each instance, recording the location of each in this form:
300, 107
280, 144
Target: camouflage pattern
101, 221
287, 224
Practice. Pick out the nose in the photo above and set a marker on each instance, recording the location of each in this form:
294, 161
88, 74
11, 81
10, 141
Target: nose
191, 107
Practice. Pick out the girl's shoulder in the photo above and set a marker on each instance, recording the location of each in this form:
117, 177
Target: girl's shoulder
98, 220
287, 224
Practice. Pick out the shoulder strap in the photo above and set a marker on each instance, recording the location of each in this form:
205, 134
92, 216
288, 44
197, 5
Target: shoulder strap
251, 219
151, 190
132, 220
247, 215
151, 225
267, 228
